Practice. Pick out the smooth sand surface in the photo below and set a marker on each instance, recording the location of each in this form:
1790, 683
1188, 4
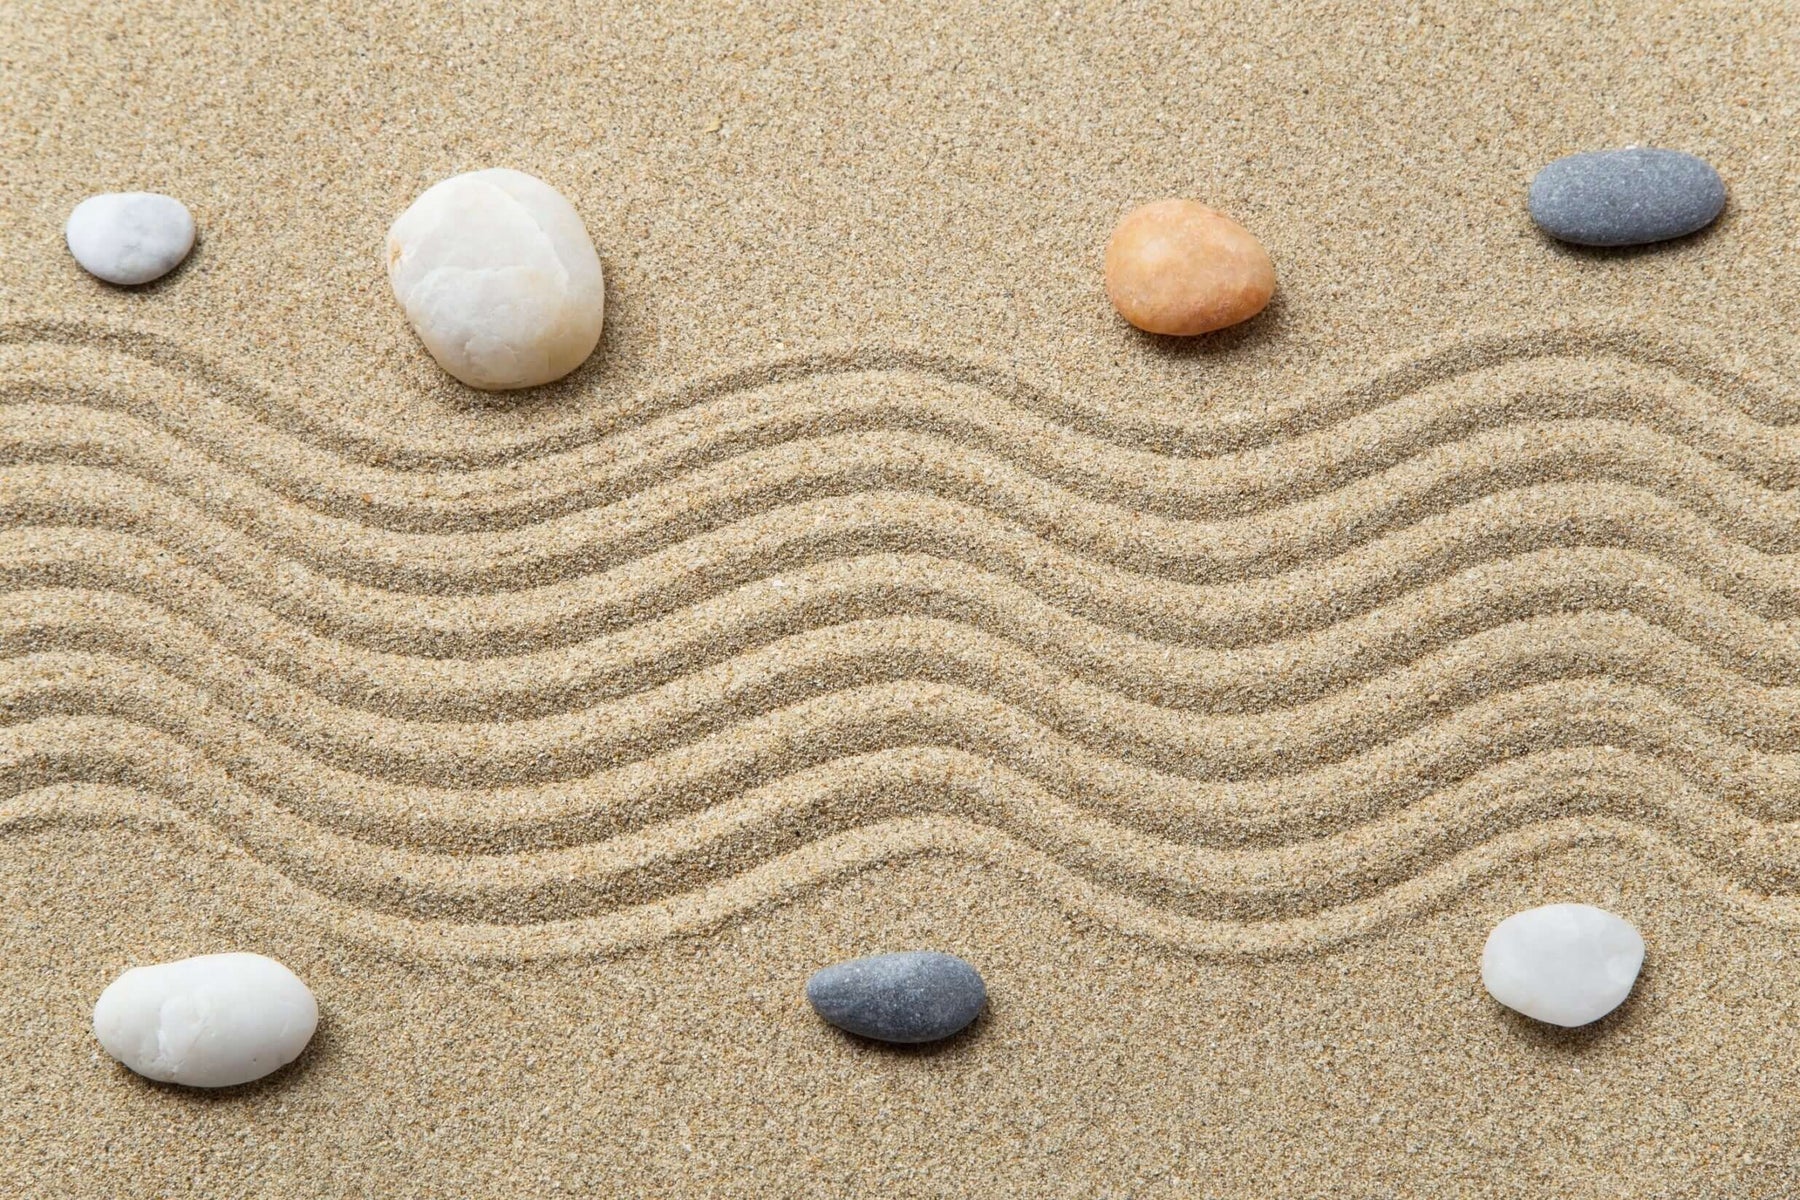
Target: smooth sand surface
876, 587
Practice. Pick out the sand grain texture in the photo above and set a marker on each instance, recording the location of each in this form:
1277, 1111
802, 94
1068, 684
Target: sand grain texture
875, 587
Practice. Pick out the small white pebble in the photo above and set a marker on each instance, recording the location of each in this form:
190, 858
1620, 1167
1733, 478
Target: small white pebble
130, 237
211, 1021
1565, 964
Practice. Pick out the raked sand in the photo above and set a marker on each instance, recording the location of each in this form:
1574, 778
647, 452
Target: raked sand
876, 587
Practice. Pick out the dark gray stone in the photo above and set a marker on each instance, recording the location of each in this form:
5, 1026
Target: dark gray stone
1625, 197
914, 996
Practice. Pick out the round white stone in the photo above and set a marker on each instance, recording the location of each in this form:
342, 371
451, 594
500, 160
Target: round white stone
130, 237
211, 1021
1566, 964
498, 278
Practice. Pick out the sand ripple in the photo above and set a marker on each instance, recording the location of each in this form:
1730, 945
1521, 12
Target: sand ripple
1254, 687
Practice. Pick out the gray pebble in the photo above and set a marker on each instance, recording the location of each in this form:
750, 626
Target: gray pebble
914, 996
1626, 197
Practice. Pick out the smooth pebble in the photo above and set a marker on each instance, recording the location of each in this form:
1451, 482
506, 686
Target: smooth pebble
911, 996
1178, 267
1625, 197
1566, 964
211, 1021
130, 237
499, 279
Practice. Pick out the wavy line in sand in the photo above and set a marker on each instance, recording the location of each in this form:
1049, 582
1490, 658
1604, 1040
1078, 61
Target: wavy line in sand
1290, 797
857, 851
193, 636
1395, 488
737, 492
843, 793
581, 599
1462, 355
808, 669
1679, 522
1643, 425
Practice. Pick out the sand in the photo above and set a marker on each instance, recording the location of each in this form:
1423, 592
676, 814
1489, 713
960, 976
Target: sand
876, 587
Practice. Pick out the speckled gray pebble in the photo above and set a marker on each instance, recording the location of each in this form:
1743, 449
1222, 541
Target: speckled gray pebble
1626, 197
913, 996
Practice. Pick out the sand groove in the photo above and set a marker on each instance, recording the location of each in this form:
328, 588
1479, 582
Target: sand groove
43, 419
1546, 590
575, 605
809, 673
834, 857
843, 793
1252, 685
1313, 800
1728, 396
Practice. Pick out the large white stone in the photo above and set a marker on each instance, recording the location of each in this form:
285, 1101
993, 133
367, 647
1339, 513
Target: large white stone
498, 278
1566, 964
130, 237
211, 1021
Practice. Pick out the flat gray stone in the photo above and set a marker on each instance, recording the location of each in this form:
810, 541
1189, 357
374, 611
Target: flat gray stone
913, 996
1626, 197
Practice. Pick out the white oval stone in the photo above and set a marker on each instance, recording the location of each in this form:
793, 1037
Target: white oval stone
498, 278
1566, 964
211, 1021
130, 237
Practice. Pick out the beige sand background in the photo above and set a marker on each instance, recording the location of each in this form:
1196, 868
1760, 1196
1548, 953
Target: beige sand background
875, 587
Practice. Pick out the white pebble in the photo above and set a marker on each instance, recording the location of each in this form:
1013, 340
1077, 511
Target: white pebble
1566, 964
130, 237
499, 279
211, 1021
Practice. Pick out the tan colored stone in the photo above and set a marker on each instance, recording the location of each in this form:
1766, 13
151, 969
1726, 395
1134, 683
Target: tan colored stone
1178, 267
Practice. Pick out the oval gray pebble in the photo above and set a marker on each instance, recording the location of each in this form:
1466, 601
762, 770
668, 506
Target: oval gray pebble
912, 996
1626, 197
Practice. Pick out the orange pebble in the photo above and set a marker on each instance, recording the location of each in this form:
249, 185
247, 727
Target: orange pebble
1178, 267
